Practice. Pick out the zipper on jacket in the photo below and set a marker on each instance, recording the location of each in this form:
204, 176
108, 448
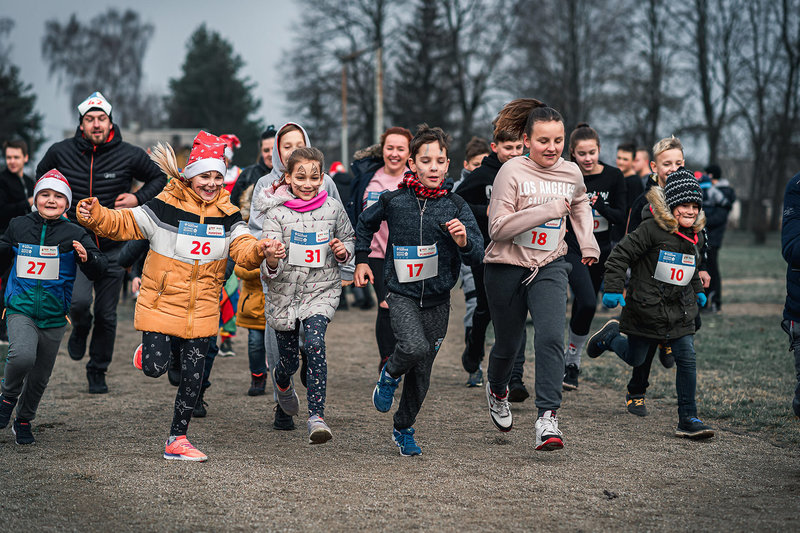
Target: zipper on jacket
193, 283
91, 180
161, 290
421, 214
38, 290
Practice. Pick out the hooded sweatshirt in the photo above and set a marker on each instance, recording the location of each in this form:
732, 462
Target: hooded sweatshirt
526, 195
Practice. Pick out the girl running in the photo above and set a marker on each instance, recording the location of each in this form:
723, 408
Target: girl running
525, 265
312, 236
605, 187
192, 227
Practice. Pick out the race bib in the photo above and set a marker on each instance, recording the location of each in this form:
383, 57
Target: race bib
544, 237
309, 249
675, 268
600, 222
37, 262
372, 198
200, 241
416, 263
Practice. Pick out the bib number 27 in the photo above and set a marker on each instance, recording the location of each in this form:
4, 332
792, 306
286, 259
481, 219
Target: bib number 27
32, 267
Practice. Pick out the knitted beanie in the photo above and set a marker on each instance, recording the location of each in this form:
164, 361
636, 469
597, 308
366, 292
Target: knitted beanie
55, 181
682, 188
95, 101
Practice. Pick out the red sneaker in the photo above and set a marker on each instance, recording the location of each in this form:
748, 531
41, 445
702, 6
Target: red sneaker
137, 358
182, 450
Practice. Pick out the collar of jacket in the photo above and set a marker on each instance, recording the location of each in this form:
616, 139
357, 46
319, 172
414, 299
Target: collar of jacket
115, 138
182, 191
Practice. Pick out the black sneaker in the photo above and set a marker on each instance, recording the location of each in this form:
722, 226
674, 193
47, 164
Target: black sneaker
282, 422
76, 345
470, 358
601, 341
665, 355
226, 348
635, 403
200, 407
22, 431
6, 409
693, 428
517, 392
258, 384
97, 381
570, 381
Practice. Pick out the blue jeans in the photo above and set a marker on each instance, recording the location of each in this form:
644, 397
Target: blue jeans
633, 350
256, 351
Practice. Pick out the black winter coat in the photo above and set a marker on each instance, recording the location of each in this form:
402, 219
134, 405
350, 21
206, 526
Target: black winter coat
14, 194
104, 171
655, 309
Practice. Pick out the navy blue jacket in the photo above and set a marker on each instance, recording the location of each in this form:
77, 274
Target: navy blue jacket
790, 247
410, 218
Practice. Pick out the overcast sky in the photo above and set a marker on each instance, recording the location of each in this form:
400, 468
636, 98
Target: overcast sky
259, 31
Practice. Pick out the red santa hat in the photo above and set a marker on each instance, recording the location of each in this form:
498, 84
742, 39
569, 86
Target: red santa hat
232, 142
55, 181
208, 153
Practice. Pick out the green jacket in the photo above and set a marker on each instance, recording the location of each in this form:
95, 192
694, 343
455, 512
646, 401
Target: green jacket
656, 309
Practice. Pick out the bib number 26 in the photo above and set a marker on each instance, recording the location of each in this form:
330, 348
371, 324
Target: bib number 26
200, 248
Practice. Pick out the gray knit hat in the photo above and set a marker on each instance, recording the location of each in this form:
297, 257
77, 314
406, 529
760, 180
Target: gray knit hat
682, 188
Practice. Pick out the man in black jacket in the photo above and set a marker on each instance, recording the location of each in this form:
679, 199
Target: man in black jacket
16, 195
96, 162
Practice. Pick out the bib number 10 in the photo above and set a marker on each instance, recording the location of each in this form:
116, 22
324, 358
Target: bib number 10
200, 248
676, 274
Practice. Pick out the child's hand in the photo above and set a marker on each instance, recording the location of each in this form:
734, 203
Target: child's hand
705, 278
136, 284
588, 261
339, 249
81, 251
263, 245
363, 274
273, 252
569, 206
458, 232
85, 207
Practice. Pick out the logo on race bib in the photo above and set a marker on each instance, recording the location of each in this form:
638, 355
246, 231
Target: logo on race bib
687, 259
48, 251
215, 230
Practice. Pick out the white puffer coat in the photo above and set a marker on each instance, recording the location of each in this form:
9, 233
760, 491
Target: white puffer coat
297, 292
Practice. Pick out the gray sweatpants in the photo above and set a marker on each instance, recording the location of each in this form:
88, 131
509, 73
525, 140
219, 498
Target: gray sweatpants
419, 332
510, 300
31, 356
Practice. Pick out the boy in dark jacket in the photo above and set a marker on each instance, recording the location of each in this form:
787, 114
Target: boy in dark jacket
47, 248
664, 291
423, 259
790, 246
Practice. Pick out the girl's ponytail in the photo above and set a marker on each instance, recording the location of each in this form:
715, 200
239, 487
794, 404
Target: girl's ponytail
163, 155
514, 116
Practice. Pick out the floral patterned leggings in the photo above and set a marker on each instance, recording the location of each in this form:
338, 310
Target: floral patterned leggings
156, 353
314, 328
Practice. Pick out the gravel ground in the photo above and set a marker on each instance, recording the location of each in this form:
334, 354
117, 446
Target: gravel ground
97, 463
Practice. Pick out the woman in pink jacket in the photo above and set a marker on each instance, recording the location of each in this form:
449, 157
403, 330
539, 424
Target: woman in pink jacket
525, 265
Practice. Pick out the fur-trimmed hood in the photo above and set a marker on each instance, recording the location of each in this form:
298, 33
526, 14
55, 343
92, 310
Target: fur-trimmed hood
663, 214
370, 151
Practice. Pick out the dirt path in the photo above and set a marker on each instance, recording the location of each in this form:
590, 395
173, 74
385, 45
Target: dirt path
97, 463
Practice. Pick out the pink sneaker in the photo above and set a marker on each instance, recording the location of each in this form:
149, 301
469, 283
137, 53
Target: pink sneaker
182, 450
137, 358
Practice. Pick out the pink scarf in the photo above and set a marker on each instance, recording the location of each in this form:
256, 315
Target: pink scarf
302, 206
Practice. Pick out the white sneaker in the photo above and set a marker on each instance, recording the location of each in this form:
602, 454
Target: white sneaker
548, 437
499, 409
318, 430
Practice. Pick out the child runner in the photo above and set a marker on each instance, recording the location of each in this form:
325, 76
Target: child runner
664, 290
423, 258
192, 228
312, 236
605, 187
43, 249
377, 170
525, 266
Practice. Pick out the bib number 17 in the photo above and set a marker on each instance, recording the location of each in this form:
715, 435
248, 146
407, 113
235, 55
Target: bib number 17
412, 267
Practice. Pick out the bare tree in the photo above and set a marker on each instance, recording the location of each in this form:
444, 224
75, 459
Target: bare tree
105, 54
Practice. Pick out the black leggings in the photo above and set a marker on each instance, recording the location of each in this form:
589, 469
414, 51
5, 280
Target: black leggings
585, 283
156, 353
384, 334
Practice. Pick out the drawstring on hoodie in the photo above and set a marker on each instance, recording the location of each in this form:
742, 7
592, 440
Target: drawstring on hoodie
529, 279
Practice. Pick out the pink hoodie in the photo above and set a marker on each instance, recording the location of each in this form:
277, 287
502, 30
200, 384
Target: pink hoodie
526, 195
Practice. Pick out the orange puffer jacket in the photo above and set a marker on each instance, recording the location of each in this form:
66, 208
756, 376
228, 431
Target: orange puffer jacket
180, 294
250, 313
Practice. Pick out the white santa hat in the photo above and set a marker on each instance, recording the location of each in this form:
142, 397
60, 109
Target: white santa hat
95, 101
208, 153
55, 181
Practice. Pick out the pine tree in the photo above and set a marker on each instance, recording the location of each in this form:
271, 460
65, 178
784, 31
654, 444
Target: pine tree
18, 116
211, 95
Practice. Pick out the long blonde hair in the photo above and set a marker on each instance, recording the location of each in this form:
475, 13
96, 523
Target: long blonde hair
163, 155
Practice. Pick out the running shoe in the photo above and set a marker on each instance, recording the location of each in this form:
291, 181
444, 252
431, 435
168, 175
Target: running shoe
570, 381
635, 403
318, 430
601, 341
404, 438
517, 391
179, 448
137, 358
499, 410
282, 422
693, 428
665, 355
226, 348
383, 395
548, 436
475, 379
6, 409
287, 398
22, 432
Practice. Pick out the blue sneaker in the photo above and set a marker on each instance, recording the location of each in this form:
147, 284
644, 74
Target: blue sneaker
404, 438
383, 395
